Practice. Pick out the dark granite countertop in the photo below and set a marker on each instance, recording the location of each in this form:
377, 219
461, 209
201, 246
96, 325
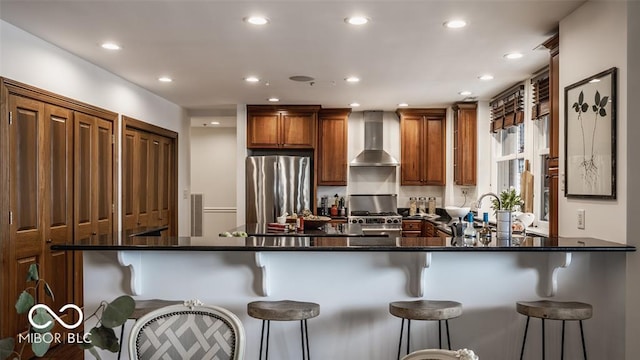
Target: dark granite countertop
337, 244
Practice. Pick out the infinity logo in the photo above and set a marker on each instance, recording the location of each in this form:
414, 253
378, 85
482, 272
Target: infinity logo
55, 316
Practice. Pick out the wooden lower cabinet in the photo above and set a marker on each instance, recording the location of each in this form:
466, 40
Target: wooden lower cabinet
428, 229
57, 166
411, 228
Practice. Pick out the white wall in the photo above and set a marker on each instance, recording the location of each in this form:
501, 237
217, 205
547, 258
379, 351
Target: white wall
593, 39
31, 60
213, 174
633, 177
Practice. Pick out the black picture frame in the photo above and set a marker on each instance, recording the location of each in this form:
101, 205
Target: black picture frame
590, 110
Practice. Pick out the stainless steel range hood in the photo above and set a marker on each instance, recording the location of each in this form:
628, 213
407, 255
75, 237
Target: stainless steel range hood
373, 154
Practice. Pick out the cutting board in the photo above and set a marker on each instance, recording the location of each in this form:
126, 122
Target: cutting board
526, 188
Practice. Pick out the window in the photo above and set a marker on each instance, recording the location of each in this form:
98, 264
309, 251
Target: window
517, 141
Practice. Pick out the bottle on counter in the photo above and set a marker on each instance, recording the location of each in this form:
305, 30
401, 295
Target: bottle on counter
484, 234
432, 205
422, 205
469, 231
300, 223
413, 206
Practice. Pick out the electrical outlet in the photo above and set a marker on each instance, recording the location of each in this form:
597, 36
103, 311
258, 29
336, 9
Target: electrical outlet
580, 218
465, 191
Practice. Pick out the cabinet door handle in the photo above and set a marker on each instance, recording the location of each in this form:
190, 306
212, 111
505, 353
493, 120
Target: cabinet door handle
49, 241
94, 233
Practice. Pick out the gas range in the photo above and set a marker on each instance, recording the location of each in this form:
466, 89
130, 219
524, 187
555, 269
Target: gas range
376, 214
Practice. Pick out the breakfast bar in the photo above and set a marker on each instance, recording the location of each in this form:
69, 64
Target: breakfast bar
354, 279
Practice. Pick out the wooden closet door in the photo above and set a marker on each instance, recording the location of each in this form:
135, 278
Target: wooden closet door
58, 211
26, 199
165, 172
130, 184
142, 171
155, 180
93, 190
104, 181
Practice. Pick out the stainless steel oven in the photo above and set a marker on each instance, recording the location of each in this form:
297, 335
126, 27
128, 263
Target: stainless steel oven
376, 214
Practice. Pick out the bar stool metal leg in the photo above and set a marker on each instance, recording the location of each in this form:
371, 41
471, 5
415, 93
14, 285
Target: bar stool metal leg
440, 334
562, 343
121, 340
524, 340
306, 332
408, 333
400, 342
446, 322
584, 348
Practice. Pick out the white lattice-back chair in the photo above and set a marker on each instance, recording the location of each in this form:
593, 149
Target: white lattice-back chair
188, 331
439, 354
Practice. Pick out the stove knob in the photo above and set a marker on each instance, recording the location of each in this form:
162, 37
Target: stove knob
396, 221
361, 221
389, 221
353, 221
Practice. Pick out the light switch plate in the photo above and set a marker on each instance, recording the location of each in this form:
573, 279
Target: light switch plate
581, 219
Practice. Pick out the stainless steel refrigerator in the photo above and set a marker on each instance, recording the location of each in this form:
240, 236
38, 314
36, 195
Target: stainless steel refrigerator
275, 185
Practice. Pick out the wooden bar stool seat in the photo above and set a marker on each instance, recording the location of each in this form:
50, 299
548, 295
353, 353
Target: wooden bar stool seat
554, 310
283, 310
428, 310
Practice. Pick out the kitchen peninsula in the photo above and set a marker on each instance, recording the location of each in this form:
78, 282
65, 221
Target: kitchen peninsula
354, 279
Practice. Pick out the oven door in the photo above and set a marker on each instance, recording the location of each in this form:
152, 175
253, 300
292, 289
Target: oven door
381, 231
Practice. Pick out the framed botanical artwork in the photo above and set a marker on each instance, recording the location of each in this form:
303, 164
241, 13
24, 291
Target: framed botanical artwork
590, 137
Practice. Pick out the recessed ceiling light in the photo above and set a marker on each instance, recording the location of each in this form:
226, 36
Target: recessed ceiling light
455, 24
354, 104
110, 46
485, 77
403, 105
251, 79
165, 79
465, 93
256, 20
594, 81
356, 20
513, 55
352, 79
273, 99
215, 123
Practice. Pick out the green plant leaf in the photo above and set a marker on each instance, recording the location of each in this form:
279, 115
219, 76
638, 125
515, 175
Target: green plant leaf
594, 108
32, 273
581, 97
40, 348
118, 311
41, 317
25, 302
94, 352
6, 348
104, 338
48, 291
585, 107
597, 98
603, 112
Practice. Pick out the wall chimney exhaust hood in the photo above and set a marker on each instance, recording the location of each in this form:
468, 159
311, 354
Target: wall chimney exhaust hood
373, 154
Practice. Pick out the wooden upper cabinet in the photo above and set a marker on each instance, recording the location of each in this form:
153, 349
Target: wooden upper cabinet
422, 139
332, 146
464, 143
276, 127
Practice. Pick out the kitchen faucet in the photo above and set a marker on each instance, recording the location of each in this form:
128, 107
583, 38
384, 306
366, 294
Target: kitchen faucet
489, 194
